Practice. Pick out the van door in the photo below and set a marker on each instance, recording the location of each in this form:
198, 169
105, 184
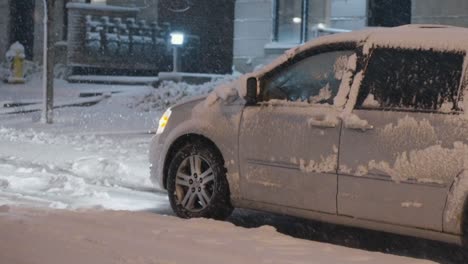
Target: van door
289, 141
400, 171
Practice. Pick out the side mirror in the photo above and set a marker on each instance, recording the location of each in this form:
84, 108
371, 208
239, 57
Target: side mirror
251, 95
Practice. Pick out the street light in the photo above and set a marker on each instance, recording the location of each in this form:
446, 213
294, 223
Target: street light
47, 88
177, 40
297, 20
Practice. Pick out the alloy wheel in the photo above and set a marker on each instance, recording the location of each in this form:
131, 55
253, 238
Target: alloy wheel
195, 182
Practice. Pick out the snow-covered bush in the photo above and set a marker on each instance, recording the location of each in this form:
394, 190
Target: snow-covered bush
169, 93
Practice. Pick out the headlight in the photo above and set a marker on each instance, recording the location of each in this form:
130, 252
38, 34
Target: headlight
163, 121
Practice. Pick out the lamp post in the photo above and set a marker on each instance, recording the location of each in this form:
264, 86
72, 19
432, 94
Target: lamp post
177, 40
48, 75
45, 111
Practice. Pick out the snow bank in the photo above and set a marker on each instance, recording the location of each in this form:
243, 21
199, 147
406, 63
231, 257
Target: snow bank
109, 170
76, 171
103, 237
169, 93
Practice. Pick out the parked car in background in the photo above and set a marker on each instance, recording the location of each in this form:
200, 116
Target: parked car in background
367, 129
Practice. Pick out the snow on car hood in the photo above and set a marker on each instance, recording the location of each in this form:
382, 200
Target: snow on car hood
229, 91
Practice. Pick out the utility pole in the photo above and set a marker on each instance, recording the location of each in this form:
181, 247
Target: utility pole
48, 63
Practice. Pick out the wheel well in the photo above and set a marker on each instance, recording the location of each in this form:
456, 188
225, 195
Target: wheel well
181, 142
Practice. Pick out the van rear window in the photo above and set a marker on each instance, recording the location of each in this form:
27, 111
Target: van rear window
411, 79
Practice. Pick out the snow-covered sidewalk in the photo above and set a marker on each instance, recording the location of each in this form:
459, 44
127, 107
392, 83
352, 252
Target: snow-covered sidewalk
94, 156
66, 171
30, 236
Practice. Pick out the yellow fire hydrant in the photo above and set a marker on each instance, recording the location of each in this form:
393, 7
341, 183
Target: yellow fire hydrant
15, 57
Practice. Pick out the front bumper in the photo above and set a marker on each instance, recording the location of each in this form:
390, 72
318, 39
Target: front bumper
156, 159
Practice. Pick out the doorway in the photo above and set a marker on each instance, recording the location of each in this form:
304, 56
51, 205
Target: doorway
389, 13
22, 24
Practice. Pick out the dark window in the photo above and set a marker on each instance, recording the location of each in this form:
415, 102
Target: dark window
208, 26
389, 13
289, 21
65, 20
413, 80
22, 24
297, 21
315, 79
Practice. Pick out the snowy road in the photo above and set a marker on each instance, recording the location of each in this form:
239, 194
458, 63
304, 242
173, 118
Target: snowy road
76, 171
93, 156
56, 237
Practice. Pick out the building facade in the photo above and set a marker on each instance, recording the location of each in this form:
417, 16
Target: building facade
266, 28
243, 33
23, 21
208, 23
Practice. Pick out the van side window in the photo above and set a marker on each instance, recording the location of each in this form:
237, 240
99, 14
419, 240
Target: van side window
315, 79
411, 80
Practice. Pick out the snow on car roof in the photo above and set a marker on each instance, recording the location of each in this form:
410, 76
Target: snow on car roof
423, 36
434, 37
415, 36
355, 36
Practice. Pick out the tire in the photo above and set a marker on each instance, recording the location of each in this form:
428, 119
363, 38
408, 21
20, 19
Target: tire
197, 184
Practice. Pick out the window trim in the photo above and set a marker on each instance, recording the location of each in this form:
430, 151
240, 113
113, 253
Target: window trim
339, 46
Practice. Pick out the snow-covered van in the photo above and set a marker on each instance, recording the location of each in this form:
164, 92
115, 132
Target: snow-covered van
367, 129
